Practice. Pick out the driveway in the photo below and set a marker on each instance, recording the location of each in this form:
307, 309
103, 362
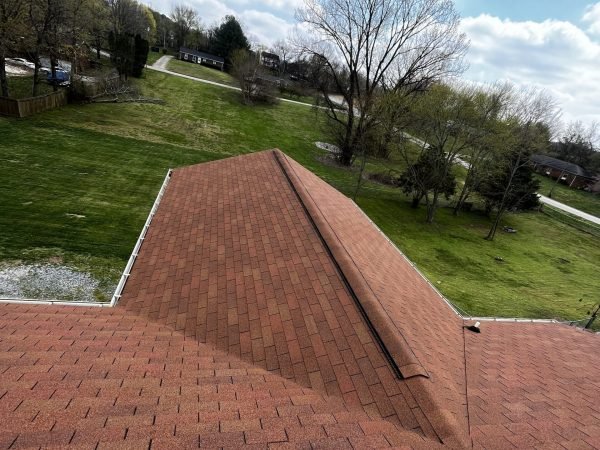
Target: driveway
569, 209
162, 62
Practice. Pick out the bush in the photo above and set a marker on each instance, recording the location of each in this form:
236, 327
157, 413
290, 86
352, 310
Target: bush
294, 90
387, 178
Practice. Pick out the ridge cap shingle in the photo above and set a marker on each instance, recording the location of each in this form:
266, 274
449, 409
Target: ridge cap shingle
401, 356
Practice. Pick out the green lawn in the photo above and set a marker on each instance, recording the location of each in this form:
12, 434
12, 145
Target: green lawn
206, 73
78, 184
153, 57
20, 87
200, 71
584, 201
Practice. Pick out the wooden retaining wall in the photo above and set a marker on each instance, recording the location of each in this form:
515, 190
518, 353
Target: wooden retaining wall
28, 106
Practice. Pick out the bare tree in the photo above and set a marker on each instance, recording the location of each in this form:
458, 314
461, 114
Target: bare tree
100, 24
530, 114
283, 49
370, 44
128, 16
12, 14
186, 19
41, 20
245, 67
490, 104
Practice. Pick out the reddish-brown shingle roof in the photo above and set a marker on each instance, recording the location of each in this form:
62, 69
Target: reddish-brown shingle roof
265, 309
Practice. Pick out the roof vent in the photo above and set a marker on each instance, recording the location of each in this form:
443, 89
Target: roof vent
474, 328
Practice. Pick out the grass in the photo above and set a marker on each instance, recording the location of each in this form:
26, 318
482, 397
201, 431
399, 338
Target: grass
536, 276
20, 87
153, 57
78, 184
200, 71
582, 200
207, 73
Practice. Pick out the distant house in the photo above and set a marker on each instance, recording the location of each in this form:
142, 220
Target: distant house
566, 172
270, 60
194, 56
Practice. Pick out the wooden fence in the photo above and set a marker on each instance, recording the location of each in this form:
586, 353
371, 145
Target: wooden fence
33, 105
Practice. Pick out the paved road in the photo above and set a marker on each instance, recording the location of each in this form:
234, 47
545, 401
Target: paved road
161, 66
569, 209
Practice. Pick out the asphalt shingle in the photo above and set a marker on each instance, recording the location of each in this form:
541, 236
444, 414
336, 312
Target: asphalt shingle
259, 313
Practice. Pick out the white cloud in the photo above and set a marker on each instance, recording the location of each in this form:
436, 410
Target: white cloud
257, 17
210, 11
283, 5
553, 55
592, 17
265, 27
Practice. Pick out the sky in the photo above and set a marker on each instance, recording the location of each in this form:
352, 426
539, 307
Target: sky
551, 44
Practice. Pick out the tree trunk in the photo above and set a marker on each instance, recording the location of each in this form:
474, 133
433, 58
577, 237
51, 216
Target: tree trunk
431, 207
347, 151
492, 232
464, 194
416, 200
3, 79
36, 75
360, 174
53, 70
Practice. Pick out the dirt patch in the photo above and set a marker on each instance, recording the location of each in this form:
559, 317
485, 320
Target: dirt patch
50, 282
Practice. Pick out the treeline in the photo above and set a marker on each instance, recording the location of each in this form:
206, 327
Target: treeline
183, 28
387, 75
70, 29
579, 144
490, 131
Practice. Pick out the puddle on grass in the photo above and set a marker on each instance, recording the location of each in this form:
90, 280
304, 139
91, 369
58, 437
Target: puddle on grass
50, 282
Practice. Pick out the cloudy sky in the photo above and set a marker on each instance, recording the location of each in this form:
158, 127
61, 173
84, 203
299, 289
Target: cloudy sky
553, 44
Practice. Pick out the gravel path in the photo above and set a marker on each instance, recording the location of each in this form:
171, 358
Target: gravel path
49, 282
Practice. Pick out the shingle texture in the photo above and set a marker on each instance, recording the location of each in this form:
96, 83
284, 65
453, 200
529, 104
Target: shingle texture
265, 310
559, 164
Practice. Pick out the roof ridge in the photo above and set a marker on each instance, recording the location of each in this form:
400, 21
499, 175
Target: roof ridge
394, 345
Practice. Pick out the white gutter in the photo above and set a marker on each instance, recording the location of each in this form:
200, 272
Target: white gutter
53, 302
136, 249
124, 277
463, 315
511, 319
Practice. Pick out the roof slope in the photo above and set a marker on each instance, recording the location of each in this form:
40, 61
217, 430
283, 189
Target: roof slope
82, 378
559, 164
534, 386
233, 260
205, 55
265, 309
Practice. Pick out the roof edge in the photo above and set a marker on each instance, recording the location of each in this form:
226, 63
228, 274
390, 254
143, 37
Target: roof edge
391, 340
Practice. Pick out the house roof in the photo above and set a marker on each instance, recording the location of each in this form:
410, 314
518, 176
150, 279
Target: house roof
265, 308
190, 51
562, 165
269, 55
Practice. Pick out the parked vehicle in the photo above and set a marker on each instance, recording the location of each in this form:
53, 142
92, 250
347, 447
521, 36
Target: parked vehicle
60, 77
21, 62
